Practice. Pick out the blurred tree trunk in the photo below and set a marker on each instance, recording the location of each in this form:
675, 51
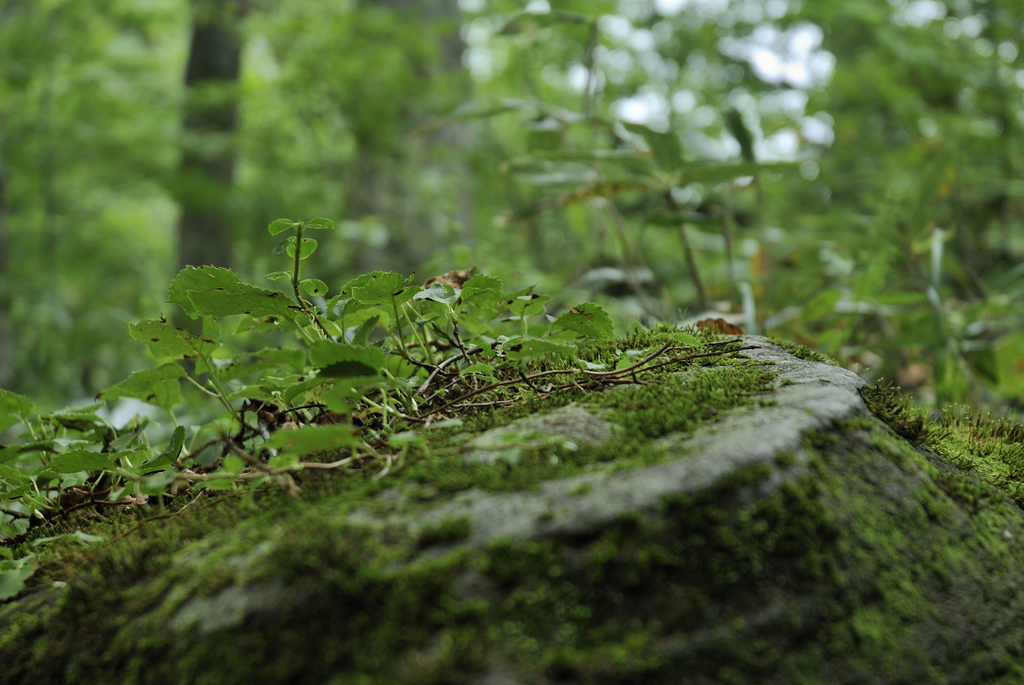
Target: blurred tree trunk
374, 185
6, 344
208, 149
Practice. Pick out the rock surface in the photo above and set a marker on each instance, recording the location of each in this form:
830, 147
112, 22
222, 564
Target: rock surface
796, 539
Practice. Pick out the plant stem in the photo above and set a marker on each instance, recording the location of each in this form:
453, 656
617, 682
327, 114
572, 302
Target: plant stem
298, 266
220, 394
303, 305
398, 328
691, 263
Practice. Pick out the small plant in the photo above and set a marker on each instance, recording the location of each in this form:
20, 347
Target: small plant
376, 363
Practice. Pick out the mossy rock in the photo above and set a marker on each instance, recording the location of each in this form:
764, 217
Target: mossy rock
750, 522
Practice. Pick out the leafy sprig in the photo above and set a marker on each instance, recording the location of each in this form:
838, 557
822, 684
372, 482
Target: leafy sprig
374, 363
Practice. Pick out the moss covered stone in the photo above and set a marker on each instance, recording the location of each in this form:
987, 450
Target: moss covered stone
750, 522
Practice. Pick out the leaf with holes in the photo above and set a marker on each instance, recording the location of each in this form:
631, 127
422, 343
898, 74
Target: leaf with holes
200, 279
242, 299
438, 292
157, 386
482, 291
308, 247
587, 319
315, 286
528, 305
164, 340
377, 287
520, 349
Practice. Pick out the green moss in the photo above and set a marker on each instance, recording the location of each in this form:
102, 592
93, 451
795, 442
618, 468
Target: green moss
581, 489
991, 448
803, 352
447, 531
896, 410
846, 575
785, 459
771, 590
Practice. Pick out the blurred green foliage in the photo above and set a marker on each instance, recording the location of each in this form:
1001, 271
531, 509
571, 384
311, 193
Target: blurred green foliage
844, 175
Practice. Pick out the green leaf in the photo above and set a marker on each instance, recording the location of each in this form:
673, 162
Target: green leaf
132, 458
13, 575
296, 389
242, 299
320, 223
12, 476
686, 339
520, 349
158, 482
665, 147
9, 453
157, 386
377, 287
278, 275
280, 225
78, 535
282, 461
342, 361
587, 319
363, 332
528, 305
225, 483
11, 405
308, 247
309, 439
438, 292
80, 460
344, 306
199, 279
487, 369
315, 286
164, 340
482, 291
169, 456
267, 358
82, 420
233, 464
283, 245
734, 122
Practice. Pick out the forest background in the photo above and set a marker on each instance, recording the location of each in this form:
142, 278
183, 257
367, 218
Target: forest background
843, 175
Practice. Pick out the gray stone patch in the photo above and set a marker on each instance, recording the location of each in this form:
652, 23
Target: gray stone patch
231, 606
809, 396
567, 427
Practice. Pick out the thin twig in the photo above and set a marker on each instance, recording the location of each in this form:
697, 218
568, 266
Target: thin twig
603, 376
619, 372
